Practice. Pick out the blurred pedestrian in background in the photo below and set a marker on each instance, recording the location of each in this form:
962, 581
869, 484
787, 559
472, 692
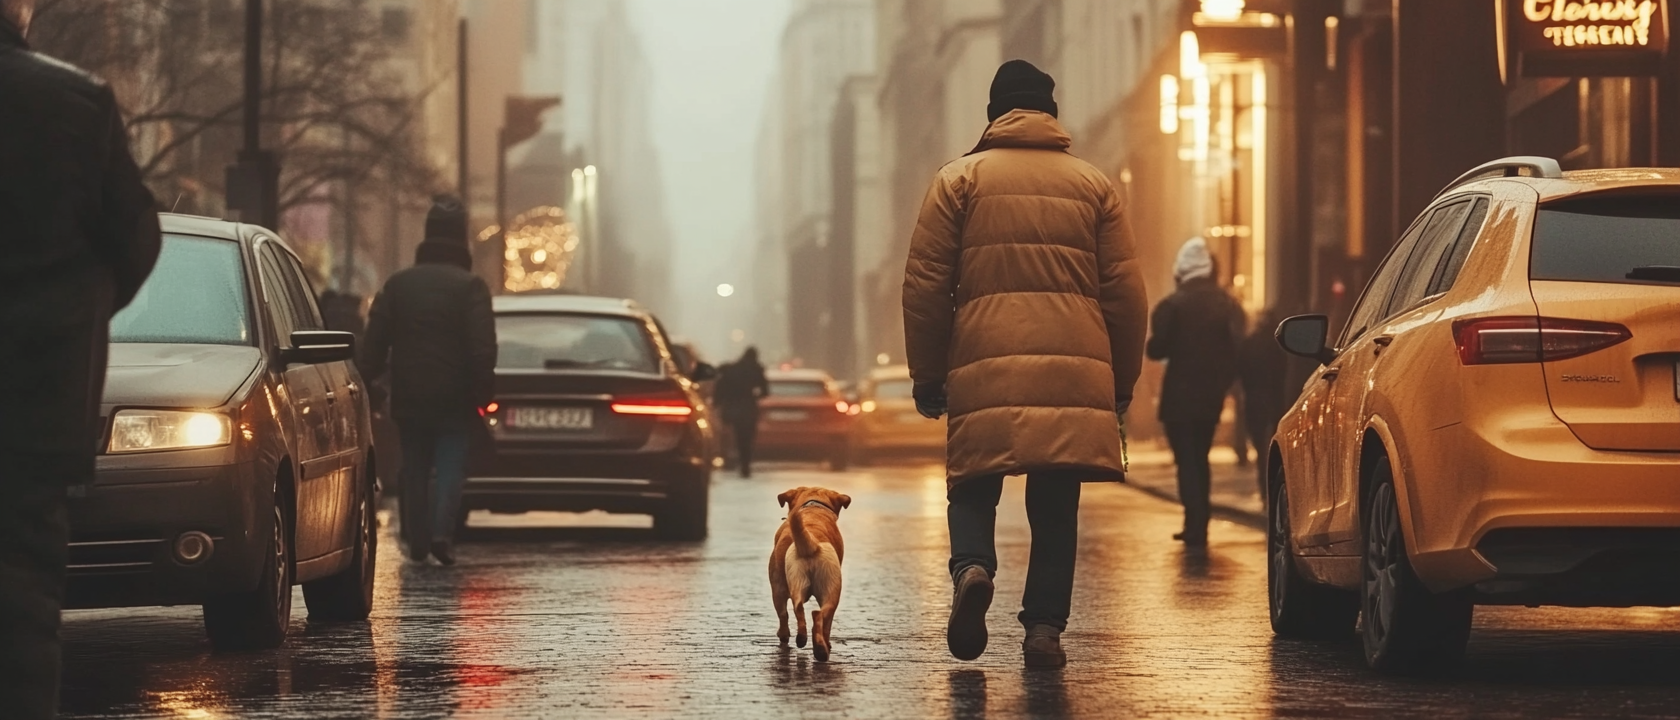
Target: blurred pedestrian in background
81, 235
1024, 317
1195, 330
1261, 366
433, 328
740, 385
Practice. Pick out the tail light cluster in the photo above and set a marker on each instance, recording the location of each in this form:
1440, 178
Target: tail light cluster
662, 407
1505, 340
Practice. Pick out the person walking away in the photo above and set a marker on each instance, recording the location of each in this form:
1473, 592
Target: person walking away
1261, 367
81, 235
740, 385
1024, 319
433, 329
1195, 330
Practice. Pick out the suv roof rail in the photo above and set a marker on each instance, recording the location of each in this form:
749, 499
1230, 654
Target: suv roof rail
1540, 167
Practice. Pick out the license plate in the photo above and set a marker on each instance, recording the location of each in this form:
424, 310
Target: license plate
545, 418
788, 415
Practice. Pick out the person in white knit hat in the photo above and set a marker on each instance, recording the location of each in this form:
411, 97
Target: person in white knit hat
1195, 330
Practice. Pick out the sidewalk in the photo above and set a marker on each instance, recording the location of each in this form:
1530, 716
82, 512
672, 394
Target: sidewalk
1236, 492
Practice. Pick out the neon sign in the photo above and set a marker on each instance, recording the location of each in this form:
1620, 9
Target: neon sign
1586, 38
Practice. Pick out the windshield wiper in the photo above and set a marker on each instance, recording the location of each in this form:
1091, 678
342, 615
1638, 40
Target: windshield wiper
1655, 273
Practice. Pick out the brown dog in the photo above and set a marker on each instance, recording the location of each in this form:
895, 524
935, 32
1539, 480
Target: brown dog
806, 562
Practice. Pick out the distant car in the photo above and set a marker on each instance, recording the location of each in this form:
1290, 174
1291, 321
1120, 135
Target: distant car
592, 412
887, 424
237, 457
1498, 423
804, 417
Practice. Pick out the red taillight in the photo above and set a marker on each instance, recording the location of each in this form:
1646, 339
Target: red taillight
842, 406
656, 407
492, 407
1501, 340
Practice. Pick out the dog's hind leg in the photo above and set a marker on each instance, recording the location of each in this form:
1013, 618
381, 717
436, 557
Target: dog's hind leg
799, 614
822, 619
779, 595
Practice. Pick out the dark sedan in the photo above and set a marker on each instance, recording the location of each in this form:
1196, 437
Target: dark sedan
237, 459
593, 413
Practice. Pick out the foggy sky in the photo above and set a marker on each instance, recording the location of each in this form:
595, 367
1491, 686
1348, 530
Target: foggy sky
712, 61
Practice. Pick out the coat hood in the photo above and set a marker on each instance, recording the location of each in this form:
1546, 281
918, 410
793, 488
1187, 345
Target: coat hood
1029, 129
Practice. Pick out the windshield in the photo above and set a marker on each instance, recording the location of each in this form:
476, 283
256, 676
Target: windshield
567, 342
1611, 240
196, 294
893, 389
798, 388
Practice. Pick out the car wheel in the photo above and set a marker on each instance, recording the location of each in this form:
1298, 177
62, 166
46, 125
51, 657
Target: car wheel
1300, 608
348, 595
258, 618
683, 516
1407, 628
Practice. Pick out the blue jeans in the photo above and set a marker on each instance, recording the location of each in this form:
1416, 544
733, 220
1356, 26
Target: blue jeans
435, 456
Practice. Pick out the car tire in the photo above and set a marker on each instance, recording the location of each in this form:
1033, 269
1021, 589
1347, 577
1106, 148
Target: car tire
1299, 607
348, 595
683, 516
257, 619
1407, 629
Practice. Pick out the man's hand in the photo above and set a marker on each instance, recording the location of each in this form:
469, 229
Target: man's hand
930, 400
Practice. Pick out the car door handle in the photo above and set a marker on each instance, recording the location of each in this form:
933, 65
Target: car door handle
1382, 341
1330, 374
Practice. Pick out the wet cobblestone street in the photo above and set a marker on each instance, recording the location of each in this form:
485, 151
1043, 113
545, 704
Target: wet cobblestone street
548, 622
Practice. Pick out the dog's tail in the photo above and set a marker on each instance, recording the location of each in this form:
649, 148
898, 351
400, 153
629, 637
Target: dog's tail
802, 542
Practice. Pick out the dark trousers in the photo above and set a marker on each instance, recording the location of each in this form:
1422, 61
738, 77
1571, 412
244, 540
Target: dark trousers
1191, 441
434, 472
34, 541
745, 431
1053, 513
1261, 428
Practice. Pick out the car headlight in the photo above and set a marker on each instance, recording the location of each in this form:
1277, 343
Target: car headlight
147, 430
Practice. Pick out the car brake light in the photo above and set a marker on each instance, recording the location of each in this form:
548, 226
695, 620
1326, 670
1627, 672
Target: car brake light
842, 406
1503, 340
656, 407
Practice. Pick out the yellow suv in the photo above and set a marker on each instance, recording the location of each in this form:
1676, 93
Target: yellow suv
1498, 422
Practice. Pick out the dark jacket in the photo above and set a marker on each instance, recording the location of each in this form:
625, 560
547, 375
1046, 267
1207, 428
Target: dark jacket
1261, 365
1195, 330
740, 384
433, 327
78, 236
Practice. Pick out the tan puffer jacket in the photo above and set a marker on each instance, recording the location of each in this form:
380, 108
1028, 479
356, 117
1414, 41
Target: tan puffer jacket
1022, 295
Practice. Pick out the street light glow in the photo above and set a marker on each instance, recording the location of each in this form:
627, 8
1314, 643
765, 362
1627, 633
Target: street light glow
725, 290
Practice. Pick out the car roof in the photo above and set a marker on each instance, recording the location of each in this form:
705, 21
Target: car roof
561, 303
203, 226
1577, 182
799, 374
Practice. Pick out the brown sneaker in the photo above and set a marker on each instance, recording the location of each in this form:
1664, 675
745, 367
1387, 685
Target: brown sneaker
1043, 647
965, 633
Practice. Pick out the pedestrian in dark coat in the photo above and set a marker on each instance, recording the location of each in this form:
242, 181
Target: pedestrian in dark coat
432, 327
1024, 317
740, 385
1261, 366
80, 236
1195, 330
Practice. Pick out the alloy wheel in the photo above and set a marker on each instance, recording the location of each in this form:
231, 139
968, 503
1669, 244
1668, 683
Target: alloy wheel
1277, 545
1383, 552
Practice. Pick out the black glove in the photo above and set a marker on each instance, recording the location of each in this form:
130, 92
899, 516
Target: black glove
930, 399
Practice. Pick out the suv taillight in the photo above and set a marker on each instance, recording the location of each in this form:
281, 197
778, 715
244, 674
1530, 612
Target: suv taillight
663, 407
1502, 340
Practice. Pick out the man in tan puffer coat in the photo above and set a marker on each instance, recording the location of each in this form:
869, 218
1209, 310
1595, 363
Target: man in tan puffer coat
1024, 317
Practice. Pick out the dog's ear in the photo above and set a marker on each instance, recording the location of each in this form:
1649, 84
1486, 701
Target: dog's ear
842, 501
787, 497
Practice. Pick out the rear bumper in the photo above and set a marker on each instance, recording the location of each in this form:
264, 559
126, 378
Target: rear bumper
525, 476
124, 527
928, 436
1528, 505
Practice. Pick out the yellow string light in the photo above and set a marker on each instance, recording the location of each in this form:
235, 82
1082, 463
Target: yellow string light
540, 245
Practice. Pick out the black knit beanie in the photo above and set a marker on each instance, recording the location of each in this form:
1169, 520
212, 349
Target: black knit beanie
1021, 86
446, 234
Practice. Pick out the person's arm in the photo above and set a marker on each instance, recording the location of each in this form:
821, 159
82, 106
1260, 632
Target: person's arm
1125, 302
376, 340
1163, 324
481, 343
930, 283
761, 383
127, 237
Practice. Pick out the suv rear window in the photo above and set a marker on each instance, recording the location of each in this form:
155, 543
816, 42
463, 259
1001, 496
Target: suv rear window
573, 342
798, 388
1625, 239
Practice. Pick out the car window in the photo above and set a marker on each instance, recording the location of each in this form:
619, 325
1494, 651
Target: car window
195, 294
1452, 262
1420, 267
798, 388
279, 300
894, 389
560, 341
1377, 292
1626, 239
303, 296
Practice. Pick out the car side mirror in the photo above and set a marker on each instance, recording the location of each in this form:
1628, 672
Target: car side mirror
314, 347
1306, 335
703, 372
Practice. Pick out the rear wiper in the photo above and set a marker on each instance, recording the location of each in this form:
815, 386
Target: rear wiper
1655, 273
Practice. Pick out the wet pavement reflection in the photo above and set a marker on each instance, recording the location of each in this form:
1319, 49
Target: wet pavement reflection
541, 621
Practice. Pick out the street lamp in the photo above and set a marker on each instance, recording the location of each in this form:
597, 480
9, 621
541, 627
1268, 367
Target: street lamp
725, 290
